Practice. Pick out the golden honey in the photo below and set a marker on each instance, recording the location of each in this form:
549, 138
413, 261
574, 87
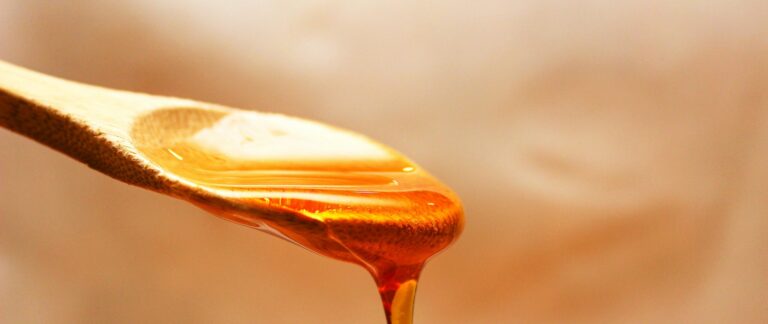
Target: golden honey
330, 191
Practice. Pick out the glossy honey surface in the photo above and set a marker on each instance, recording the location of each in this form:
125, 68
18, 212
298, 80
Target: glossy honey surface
338, 194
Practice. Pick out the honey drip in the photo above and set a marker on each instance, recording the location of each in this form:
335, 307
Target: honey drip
355, 201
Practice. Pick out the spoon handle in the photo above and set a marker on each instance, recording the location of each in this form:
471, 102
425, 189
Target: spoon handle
89, 123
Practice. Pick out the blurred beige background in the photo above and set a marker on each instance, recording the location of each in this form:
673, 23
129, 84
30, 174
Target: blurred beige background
611, 156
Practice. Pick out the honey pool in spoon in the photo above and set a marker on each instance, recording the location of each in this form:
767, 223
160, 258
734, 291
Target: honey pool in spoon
340, 194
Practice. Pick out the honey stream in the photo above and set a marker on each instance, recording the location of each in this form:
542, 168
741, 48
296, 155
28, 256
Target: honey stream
332, 192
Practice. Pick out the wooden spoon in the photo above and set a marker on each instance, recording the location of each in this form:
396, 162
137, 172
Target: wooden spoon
144, 140
335, 192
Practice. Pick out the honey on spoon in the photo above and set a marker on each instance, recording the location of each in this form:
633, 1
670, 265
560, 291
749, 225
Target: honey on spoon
331, 191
